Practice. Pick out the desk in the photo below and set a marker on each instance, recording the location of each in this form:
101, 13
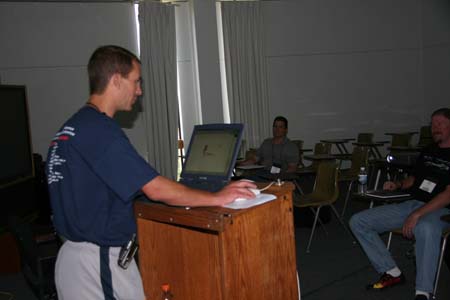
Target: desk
402, 139
340, 144
284, 176
373, 148
401, 133
318, 157
247, 170
408, 149
376, 200
218, 253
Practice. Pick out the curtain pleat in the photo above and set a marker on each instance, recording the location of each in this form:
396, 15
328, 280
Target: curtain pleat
159, 82
246, 69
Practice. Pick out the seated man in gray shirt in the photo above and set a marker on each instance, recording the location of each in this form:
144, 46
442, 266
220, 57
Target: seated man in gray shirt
277, 154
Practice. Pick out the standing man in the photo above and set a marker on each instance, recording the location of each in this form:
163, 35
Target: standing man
419, 218
277, 154
94, 174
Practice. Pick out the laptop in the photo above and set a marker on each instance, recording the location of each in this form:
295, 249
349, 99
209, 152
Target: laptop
211, 156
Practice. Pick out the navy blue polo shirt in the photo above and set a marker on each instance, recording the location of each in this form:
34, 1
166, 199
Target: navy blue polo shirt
93, 175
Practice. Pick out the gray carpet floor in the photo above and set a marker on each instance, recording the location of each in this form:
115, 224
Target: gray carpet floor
335, 269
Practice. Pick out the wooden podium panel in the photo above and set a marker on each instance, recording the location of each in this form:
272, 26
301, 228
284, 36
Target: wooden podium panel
219, 253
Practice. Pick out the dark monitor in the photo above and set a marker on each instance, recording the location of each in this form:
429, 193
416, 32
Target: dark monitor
212, 151
16, 155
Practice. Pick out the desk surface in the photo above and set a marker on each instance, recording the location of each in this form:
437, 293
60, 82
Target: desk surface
374, 144
382, 163
405, 149
319, 157
282, 176
250, 167
401, 133
337, 141
305, 150
370, 198
210, 218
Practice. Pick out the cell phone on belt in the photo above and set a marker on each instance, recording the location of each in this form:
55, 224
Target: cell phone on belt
127, 253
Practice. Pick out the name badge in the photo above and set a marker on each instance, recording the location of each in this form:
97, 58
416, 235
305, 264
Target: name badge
275, 170
427, 186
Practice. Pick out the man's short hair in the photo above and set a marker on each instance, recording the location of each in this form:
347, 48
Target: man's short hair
282, 119
107, 61
445, 112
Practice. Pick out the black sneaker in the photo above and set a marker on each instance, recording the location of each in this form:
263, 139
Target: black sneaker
421, 297
386, 281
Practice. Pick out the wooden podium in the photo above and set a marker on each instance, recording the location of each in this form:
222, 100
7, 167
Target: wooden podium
217, 253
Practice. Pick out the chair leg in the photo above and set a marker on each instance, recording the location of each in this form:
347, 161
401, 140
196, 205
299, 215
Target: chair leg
313, 229
319, 220
388, 245
342, 222
347, 197
441, 257
299, 188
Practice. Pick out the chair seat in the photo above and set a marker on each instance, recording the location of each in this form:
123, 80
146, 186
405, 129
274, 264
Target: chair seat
313, 199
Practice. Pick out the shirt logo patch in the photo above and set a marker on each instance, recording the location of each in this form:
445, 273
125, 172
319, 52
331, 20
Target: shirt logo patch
55, 160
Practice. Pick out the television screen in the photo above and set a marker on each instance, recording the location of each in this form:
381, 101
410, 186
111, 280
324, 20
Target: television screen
16, 155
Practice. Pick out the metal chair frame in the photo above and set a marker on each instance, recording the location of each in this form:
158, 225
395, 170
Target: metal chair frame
445, 235
325, 193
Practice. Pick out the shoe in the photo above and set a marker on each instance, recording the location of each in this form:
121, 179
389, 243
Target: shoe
421, 297
386, 281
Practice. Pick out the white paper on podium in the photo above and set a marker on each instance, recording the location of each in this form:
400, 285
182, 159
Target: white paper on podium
260, 199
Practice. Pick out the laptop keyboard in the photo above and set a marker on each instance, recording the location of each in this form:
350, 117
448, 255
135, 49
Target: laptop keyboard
204, 185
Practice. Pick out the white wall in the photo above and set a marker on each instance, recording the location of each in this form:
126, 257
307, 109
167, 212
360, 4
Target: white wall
335, 68
339, 68
46, 46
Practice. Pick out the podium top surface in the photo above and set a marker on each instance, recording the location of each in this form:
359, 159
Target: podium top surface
212, 218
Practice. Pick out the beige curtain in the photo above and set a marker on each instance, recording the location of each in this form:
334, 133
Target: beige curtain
246, 69
158, 57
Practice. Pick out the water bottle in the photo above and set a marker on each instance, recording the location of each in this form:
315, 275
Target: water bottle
362, 180
166, 294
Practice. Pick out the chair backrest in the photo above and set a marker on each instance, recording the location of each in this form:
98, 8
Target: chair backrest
322, 148
250, 153
299, 144
326, 185
365, 137
425, 137
401, 140
360, 158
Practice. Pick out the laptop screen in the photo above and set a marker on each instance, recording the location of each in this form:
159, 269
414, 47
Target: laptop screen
212, 151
